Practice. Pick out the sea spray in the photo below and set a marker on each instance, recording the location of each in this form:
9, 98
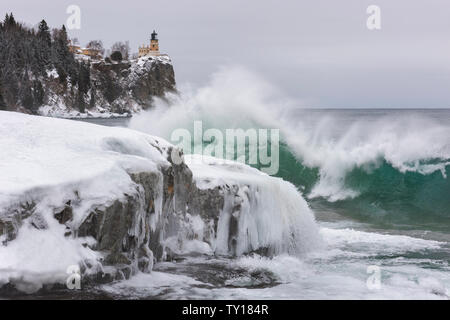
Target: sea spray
364, 162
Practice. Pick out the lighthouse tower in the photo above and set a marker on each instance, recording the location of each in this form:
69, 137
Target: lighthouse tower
154, 45
153, 49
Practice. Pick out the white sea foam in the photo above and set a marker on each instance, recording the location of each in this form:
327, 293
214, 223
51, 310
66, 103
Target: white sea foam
156, 284
340, 271
337, 272
371, 244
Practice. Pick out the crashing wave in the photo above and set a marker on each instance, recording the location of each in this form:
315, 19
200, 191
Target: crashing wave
388, 164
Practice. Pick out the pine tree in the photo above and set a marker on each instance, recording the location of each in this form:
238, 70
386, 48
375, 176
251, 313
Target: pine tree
116, 56
92, 101
38, 93
2, 101
11, 90
62, 58
9, 22
123, 48
44, 33
79, 102
26, 94
84, 78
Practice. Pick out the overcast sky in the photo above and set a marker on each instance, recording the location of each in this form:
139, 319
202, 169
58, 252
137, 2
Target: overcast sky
318, 52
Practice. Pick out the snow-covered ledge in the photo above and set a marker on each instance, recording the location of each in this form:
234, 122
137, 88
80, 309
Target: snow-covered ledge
112, 201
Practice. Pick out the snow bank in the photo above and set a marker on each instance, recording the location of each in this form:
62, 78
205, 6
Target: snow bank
60, 110
40, 152
39, 257
45, 162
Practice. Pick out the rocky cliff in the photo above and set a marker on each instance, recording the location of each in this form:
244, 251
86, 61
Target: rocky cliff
116, 89
41, 74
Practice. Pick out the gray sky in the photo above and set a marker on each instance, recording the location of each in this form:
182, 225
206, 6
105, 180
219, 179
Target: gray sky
319, 52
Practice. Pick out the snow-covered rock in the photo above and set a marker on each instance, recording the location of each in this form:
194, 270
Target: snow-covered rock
113, 201
250, 210
72, 180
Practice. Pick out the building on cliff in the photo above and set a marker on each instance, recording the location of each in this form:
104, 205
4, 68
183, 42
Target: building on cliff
152, 49
87, 52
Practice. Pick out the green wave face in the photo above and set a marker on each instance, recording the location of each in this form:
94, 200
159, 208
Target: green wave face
385, 194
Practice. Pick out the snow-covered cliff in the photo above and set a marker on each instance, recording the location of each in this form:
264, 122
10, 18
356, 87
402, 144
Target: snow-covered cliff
117, 89
113, 201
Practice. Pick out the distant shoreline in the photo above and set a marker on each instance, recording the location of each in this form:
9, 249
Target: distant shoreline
112, 117
95, 118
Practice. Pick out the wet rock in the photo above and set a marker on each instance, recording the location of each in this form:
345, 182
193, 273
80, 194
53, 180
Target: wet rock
12, 219
66, 214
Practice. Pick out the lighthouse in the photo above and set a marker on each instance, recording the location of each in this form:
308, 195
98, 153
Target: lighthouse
153, 49
154, 45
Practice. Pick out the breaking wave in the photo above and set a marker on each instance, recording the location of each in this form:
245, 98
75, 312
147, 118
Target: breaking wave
380, 164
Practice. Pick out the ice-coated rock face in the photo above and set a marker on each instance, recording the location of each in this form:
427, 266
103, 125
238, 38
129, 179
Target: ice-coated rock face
115, 201
249, 210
